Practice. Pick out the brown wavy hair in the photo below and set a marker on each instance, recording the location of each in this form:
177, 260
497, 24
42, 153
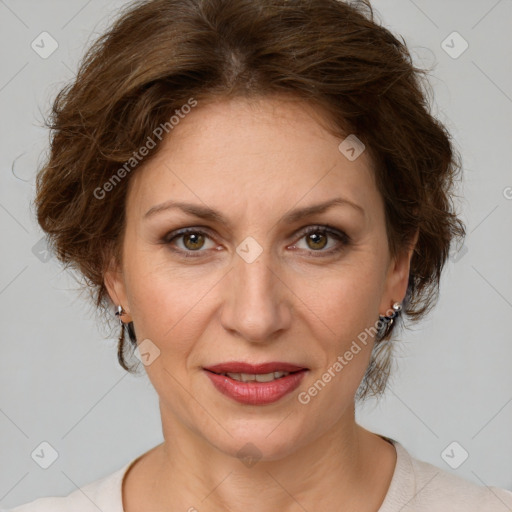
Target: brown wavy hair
160, 53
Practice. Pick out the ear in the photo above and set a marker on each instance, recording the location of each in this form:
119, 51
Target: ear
114, 282
398, 276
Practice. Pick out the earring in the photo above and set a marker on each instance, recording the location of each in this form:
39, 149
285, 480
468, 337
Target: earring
119, 313
121, 340
387, 321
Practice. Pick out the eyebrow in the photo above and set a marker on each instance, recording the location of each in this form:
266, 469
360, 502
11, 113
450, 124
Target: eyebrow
207, 213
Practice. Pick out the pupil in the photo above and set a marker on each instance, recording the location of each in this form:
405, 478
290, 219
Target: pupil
193, 241
317, 239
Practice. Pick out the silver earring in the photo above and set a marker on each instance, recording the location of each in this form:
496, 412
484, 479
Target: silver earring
387, 321
397, 309
119, 313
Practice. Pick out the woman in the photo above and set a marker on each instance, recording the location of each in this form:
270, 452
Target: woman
257, 189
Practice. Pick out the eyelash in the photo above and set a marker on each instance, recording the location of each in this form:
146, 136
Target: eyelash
321, 229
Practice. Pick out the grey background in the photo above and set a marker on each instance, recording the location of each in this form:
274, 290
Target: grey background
59, 378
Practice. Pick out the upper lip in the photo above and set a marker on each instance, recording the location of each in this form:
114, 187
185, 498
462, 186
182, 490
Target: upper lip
256, 369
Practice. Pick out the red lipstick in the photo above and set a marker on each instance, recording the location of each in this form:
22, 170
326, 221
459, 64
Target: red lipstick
239, 367
254, 392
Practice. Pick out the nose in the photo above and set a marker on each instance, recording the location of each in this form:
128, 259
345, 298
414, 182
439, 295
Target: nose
257, 303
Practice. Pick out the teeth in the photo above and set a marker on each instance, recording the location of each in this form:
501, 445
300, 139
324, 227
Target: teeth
249, 377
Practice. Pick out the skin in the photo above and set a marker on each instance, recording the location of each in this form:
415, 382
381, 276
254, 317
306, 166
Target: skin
254, 161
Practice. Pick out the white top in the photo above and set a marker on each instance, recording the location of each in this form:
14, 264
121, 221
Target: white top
416, 486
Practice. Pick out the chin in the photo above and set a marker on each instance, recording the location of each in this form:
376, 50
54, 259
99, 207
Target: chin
258, 440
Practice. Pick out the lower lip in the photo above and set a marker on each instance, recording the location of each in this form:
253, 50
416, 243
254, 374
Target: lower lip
256, 393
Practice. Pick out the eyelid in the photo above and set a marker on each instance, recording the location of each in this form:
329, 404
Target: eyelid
175, 233
313, 228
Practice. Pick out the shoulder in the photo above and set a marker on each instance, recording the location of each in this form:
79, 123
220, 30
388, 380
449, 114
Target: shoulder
102, 494
434, 489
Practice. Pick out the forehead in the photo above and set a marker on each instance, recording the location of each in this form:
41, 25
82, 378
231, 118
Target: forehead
242, 153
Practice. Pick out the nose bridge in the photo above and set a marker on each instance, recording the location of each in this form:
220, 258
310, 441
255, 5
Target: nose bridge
254, 307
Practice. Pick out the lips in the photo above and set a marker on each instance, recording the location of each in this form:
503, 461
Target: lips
240, 367
255, 384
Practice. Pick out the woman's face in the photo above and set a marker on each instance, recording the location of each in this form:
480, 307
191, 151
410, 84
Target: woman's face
256, 279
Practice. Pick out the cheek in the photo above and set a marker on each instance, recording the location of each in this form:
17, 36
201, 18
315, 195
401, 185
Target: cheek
342, 324
167, 303
347, 301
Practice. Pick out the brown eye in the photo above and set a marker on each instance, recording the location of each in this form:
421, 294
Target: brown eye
323, 240
189, 242
316, 240
193, 241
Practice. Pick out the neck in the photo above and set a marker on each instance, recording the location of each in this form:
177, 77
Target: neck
339, 470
